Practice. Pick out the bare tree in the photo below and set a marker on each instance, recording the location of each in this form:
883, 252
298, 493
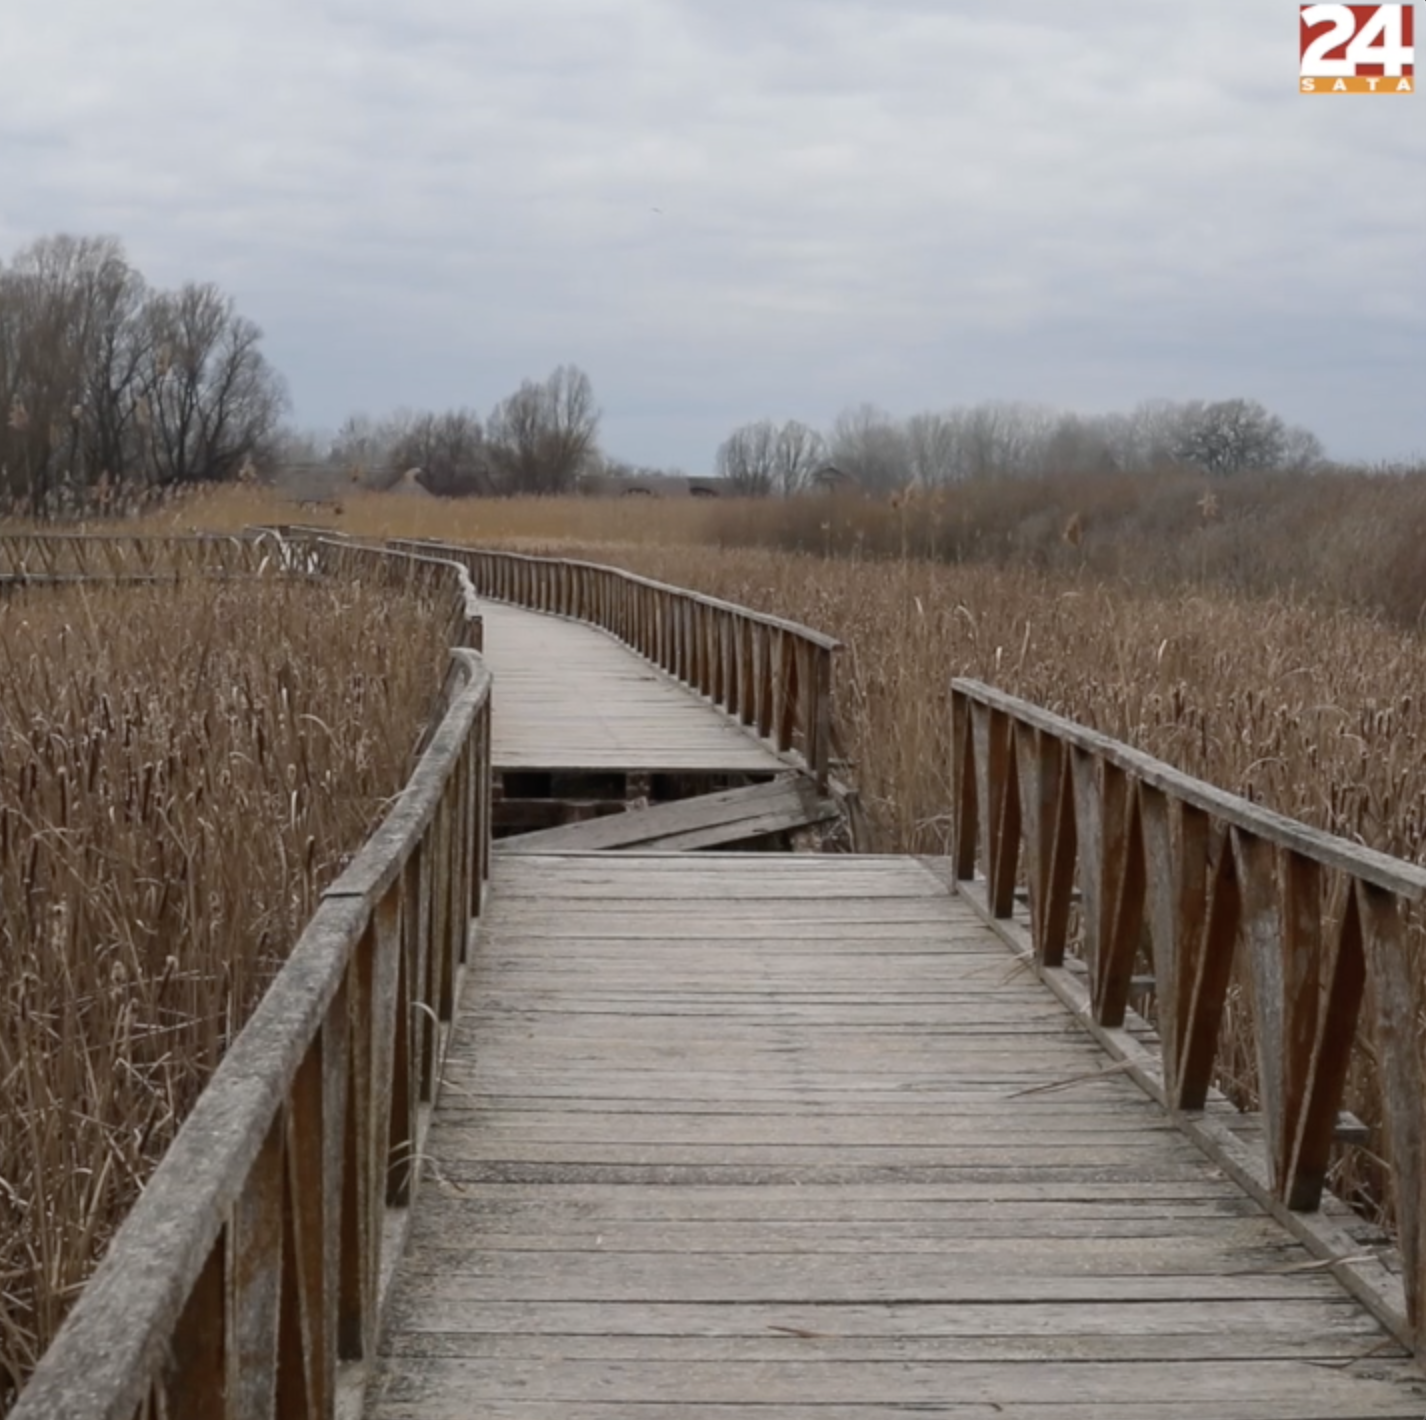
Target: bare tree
747, 458
364, 447
1302, 451
1075, 445
448, 451
211, 401
105, 385
762, 458
798, 452
542, 437
933, 449
1230, 436
46, 303
118, 350
1143, 440
868, 444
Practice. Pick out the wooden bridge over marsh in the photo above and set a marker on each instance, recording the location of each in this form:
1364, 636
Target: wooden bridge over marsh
748, 1132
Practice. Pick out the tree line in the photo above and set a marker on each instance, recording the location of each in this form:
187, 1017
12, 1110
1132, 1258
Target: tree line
112, 391
541, 440
115, 393
878, 453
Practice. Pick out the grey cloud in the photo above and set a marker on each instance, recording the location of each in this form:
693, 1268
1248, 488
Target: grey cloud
912, 203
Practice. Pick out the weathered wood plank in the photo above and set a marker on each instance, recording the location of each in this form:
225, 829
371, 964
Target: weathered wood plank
1137, 1408
702, 822
1221, 1386
572, 697
725, 1134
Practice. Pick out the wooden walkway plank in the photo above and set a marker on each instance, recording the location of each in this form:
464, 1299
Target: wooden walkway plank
739, 1135
569, 697
707, 821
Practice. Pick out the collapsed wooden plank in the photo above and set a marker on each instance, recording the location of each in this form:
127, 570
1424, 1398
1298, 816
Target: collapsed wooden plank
707, 821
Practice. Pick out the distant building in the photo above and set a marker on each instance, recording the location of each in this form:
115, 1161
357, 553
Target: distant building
832, 479
650, 485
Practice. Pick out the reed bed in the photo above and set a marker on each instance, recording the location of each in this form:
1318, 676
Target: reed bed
182, 771
1354, 541
232, 508
1260, 636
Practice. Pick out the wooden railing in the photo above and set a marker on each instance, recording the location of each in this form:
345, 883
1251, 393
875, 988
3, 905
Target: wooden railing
402, 570
1168, 878
772, 676
248, 1280
61, 557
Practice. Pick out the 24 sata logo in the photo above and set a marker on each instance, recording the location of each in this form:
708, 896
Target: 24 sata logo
1357, 49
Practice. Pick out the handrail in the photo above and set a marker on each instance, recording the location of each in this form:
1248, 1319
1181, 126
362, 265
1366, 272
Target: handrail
248, 1277
126, 556
1186, 874
773, 676
50, 560
405, 570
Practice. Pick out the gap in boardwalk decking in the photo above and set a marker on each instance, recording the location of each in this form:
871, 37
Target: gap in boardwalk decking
527, 800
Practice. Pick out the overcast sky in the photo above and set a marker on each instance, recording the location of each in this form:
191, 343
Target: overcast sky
725, 209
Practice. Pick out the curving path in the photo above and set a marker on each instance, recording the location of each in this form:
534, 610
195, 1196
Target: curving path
569, 697
759, 1137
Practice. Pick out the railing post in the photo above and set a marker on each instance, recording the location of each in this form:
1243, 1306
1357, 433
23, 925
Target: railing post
786, 717
1207, 988
1121, 921
306, 1372
256, 1262
195, 1379
1397, 1038
1322, 1024
820, 724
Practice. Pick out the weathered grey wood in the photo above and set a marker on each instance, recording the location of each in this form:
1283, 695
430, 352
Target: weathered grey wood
704, 821
213, 1275
676, 1168
1333, 1017
1243, 1342
571, 697
1407, 880
434, 1384
741, 1087
1226, 1137
777, 820
1211, 875
687, 635
1140, 1408
1398, 1047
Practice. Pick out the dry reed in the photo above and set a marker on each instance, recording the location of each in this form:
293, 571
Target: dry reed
181, 772
1257, 635
1310, 709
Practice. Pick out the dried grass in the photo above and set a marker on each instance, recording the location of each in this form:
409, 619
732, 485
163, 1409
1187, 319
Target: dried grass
1310, 708
181, 773
1260, 639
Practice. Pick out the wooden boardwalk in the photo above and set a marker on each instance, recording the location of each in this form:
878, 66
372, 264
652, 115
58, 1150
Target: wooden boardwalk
572, 698
756, 1136
724, 1137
